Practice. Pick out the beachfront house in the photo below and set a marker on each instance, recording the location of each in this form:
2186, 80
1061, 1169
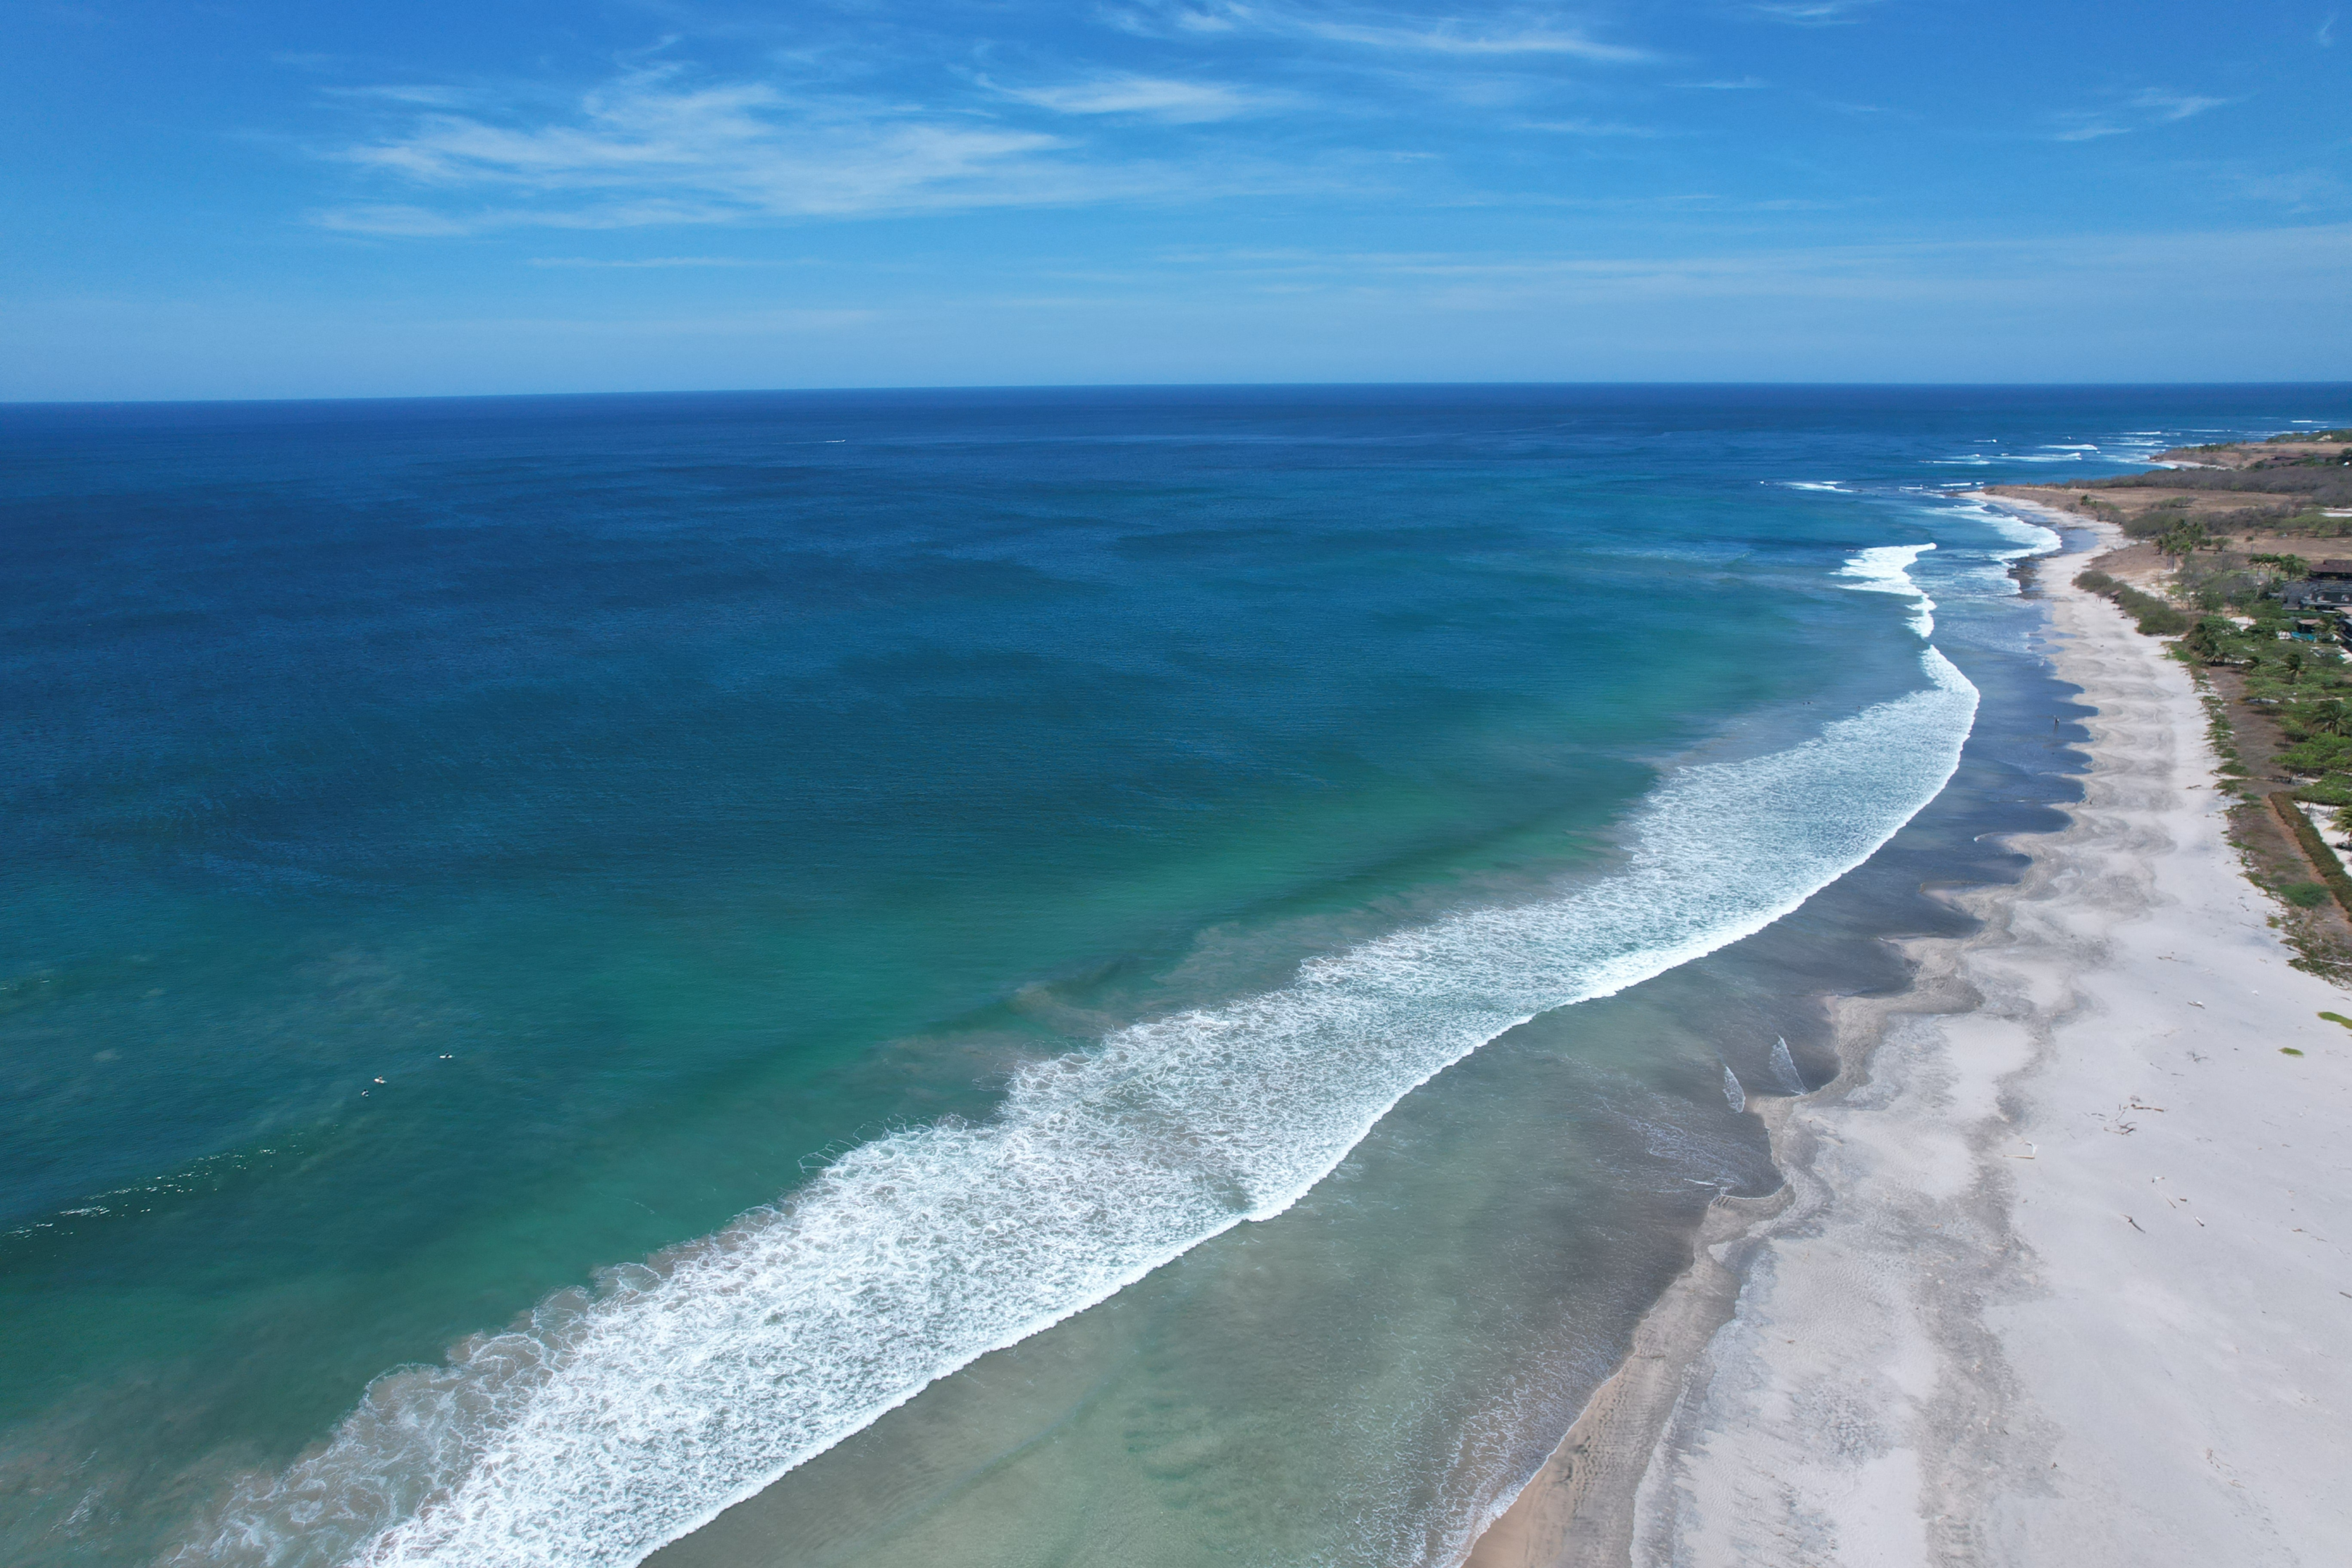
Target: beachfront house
2328, 586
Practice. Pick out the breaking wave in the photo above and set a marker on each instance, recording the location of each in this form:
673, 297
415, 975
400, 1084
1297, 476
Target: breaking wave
608, 1426
1886, 569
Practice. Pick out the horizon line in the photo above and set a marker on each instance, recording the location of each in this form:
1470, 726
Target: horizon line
28, 403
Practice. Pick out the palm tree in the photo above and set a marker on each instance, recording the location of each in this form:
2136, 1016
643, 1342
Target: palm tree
2332, 717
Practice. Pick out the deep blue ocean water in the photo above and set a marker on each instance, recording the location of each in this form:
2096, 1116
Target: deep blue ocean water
910, 868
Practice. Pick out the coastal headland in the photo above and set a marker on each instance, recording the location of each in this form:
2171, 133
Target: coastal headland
2063, 1269
2219, 508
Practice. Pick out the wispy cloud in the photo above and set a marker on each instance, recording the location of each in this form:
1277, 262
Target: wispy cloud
1980, 268
656, 147
1406, 31
393, 219
1156, 98
415, 94
1594, 128
667, 142
2298, 188
1450, 37
2170, 106
1813, 13
1155, 20
2087, 127
2149, 106
633, 263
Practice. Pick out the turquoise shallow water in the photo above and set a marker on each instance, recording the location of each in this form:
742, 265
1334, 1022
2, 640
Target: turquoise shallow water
462, 847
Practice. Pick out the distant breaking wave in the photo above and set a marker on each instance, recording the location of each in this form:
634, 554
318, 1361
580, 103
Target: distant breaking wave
609, 1426
1886, 569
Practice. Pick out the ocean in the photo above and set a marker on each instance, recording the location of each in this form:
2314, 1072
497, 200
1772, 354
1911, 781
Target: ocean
995, 977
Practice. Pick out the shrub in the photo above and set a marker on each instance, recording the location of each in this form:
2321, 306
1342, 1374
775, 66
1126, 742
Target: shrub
2208, 639
2152, 615
2320, 754
2155, 617
2314, 849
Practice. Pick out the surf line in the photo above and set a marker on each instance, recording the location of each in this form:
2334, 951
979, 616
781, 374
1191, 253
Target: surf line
607, 1427
1886, 569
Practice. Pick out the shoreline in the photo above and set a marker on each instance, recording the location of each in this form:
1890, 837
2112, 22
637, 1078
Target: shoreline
1953, 1335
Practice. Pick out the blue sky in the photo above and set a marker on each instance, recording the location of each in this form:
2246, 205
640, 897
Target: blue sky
247, 198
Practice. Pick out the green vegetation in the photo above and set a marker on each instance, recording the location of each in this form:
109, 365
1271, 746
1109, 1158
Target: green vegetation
2217, 730
2337, 1019
2304, 895
2306, 685
2289, 1051
2152, 615
2277, 488
2288, 485
2332, 878
2240, 583
2186, 539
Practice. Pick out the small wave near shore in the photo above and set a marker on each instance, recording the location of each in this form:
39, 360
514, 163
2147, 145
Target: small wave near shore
607, 1426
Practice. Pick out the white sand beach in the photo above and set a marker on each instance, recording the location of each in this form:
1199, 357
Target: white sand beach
2063, 1273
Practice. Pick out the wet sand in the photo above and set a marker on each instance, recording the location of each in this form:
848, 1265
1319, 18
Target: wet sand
2062, 1272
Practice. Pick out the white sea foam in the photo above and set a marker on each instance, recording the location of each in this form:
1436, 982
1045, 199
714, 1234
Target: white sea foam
2031, 537
1733, 1095
1984, 570
1886, 569
1784, 1066
608, 1427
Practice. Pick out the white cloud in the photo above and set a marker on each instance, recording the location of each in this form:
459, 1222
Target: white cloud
1813, 13
2288, 187
667, 143
651, 149
1376, 28
1158, 19
415, 94
2169, 106
1449, 37
1956, 270
2149, 106
1594, 128
388, 218
1155, 98
647, 261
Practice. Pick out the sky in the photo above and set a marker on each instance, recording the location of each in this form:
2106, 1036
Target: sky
248, 199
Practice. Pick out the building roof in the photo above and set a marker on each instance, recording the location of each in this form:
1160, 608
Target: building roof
2331, 568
